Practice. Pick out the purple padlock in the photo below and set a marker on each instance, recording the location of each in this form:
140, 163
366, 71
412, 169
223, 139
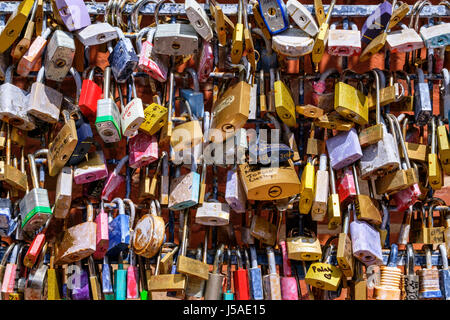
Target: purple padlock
376, 23
80, 284
344, 149
73, 13
234, 193
366, 243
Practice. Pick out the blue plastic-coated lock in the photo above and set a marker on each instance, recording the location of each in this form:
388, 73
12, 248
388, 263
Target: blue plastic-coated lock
123, 59
119, 231
107, 287
193, 97
274, 14
255, 279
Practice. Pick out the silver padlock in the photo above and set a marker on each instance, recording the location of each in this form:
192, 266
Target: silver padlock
293, 42
63, 197
132, 114
404, 40
44, 102
302, 17
343, 42
14, 104
59, 55
436, 36
199, 19
97, 33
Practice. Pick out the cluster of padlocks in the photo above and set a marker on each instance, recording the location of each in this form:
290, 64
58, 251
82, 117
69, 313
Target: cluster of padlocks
312, 166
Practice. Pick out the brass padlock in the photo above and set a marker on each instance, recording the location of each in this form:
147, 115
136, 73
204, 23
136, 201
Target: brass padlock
303, 247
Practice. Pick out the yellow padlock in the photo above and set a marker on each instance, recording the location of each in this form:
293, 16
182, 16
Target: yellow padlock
351, 103
444, 146
238, 38
322, 37
15, 24
284, 104
307, 187
434, 167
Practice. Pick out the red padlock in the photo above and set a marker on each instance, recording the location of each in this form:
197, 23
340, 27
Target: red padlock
115, 184
36, 246
143, 150
240, 277
346, 187
102, 233
406, 197
10, 272
89, 95
205, 62
132, 271
289, 289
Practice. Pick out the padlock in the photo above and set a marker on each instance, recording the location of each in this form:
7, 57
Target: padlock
344, 254
123, 59
267, 183
333, 209
422, 102
93, 280
155, 65
314, 146
36, 247
230, 112
15, 178
444, 273
288, 283
89, 95
303, 247
119, 231
234, 193
321, 97
14, 104
85, 138
393, 93
73, 13
194, 97
411, 280
115, 182
33, 53
143, 150
36, 282
205, 62
350, 103
376, 22
390, 281
213, 212
6, 215
174, 39
271, 281
53, 288
344, 149
263, 230
322, 37
416, 151
196, 286
59, 55
405, 103
156, 116
358, 285
343, 42
63, 196
213, 290
7, 288
198, 19
333, 121
324, 275
419, 231
62, 147
428, 278
366, 244
302, 17
346, 188
145, 243
92, 169
120, 280
255, 276
96, 33
404, 40
292, 42
434, 166
147, 185
188, 134
435, 233
444, 146
107, 121
44, 102
307, 187
107, 284
102, 235
132, 114
189, 266
34, 207
284, 105
435, 36
77, 242
240, 277
15, 24
185, 189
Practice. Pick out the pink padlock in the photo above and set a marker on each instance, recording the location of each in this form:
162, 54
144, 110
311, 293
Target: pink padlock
143, 150
289, 289
151, 63
132, 271
34, 52
115, 181
102, 233
93, 169
205, 62
406, 197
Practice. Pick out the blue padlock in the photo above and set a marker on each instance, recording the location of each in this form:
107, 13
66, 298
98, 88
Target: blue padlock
429, 278
255, 277
119, 231
193, 97
122, 59
444, 273
107, 286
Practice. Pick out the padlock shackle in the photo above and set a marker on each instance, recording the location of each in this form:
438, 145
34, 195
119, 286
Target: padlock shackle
402, 140
218, 258
422, 5
78, 82
40, 75
120, 205
345, 221
237, 252
433, 135
158, 6
253, 256
410, 259
194, 77
7, 253
393, 255
271, 260
377, 90
444, 258
132, 208
33, 171
287, 270
355, 178
385, 220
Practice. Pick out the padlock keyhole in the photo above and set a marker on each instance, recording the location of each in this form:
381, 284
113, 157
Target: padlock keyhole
272, 11
176, 46
60, 63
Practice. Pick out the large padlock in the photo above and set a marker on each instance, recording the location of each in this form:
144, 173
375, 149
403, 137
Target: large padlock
343, 42
143, 150
92, 169
185, 189
304, 247
436, 36
198, 19
89, 95
59, 55
123, 59
119, 231
344, 149
292, 42
73, 13
44, 102
63, 196
187, 135
77, 242
284, 105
